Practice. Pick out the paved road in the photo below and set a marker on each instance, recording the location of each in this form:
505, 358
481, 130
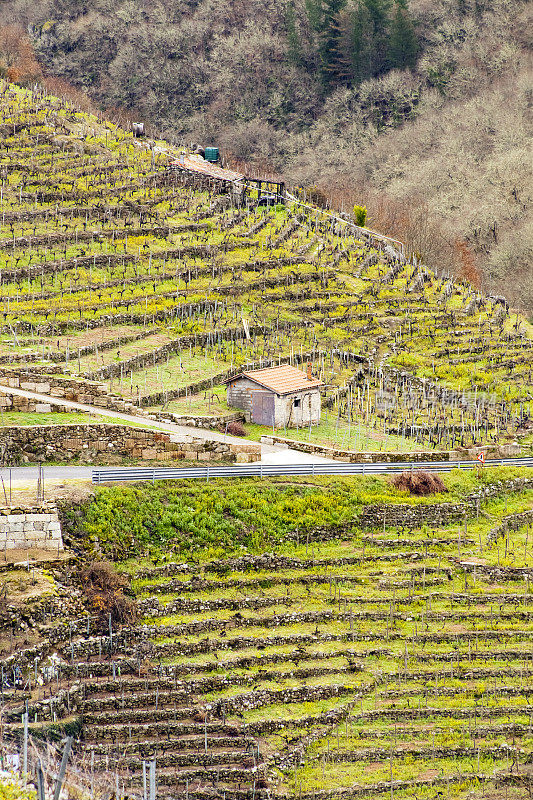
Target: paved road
262, 470
24, 476
21, 476
285, 462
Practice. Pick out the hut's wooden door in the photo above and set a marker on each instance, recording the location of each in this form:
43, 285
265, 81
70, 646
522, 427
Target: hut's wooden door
263, 408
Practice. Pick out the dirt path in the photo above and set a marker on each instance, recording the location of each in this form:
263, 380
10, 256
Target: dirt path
167, 427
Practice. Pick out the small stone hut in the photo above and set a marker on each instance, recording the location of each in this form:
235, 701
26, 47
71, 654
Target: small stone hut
281, 396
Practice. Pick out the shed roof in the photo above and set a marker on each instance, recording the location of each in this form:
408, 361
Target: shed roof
195, 163
282, 380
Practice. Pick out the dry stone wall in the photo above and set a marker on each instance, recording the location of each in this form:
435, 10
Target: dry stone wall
212, 422
351, 456
89, 392
104, 443
28, 528
77, 390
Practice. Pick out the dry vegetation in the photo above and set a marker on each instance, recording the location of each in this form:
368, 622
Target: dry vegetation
106, 592
419, 483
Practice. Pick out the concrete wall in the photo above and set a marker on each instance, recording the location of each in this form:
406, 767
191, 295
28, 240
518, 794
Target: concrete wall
101, 443
22, 529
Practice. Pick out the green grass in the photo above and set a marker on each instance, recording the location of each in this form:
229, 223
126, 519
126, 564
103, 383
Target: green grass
337, 433
377, 668
139, 278
8, 418
222, 517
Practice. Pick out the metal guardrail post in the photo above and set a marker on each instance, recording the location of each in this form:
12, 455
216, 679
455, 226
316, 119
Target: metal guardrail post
145, 795
152, 780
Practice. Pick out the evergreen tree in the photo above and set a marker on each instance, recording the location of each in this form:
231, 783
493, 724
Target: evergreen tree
294, 51
378, 14
313, 9
354, 35
360, 40
329, 45
403, 45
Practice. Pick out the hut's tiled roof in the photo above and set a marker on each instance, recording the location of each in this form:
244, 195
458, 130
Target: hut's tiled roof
282, 380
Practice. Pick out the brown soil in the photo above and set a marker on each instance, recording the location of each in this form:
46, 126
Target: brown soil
13, 558
26, 495
22, 585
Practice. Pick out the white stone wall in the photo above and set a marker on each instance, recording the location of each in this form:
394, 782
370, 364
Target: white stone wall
239, 395
26, 529
287, 414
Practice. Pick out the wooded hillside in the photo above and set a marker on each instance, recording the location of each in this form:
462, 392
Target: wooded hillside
421, 112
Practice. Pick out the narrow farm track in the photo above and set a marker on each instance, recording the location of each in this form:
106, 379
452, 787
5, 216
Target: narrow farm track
167, 427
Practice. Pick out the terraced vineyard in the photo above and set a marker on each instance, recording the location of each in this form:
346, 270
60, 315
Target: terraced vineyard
357, 659
115, 267
312, 639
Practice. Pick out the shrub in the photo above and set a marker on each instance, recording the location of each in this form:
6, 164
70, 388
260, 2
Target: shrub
236, 429
105, 590
359, 213
419, 483
315, 195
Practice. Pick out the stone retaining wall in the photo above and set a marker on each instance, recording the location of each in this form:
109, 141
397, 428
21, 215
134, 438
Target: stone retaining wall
22, 529
407, 516
351, 456
511, 523
104, 443
77, 390
89, 392
212, 422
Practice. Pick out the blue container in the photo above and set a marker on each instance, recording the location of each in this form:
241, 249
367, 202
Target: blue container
211, 154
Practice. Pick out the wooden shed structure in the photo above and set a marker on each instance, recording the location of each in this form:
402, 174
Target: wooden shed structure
281, 396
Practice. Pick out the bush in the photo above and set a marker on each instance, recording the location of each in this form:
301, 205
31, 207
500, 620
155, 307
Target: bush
419, 483
105, 590
359, 213
236, 429
315, 195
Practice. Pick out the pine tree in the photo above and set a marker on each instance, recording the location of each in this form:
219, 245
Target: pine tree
360, 43
329, 46
378, 12
403, 44
294, 49
313, 10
